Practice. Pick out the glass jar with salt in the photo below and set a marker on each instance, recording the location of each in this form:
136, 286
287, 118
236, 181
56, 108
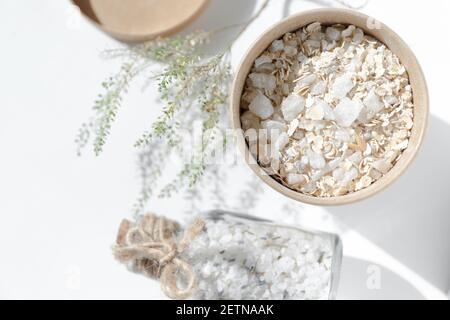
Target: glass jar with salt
223, 255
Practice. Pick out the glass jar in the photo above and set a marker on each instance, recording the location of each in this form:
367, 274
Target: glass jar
244, 258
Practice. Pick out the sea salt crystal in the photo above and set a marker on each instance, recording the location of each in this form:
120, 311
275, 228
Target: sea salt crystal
207, 269
285, 264
402, 145
295, 179
316, 176
261, 106
348, 32
342, 135
333, 164
358, 36
349, 176
328, 111
282, 142
310, 187
347, 111
291, 152
277, 45
316, 112
333, 34
292, 106
273, 128
225, 239
319, 88
263, 81
391, 100
304, 161
310, 101
372, 105
356, 158
354, 65
342, 86
338, 174
262, 60
290, 51
316, 160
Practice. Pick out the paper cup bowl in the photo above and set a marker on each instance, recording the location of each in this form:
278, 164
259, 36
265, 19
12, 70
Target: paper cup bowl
371, 27
141, 20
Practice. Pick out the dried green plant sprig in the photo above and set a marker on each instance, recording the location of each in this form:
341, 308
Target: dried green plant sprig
192, 86
106, 107
137, 59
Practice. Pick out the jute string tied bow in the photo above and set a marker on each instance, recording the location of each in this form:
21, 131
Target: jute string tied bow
148, 247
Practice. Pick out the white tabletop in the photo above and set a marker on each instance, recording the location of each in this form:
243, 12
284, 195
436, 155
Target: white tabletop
59, 213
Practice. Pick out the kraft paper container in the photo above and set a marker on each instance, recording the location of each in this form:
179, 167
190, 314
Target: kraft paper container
371, 27
141, 20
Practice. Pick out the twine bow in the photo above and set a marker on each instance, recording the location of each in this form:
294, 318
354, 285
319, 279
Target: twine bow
149, 247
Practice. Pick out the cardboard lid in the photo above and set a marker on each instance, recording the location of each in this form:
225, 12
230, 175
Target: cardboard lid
139, 20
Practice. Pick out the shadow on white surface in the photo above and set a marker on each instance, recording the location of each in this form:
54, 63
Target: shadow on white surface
361, 280
323, 3
221, 14
411, 219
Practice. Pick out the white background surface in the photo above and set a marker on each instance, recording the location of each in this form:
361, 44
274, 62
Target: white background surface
59, 213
